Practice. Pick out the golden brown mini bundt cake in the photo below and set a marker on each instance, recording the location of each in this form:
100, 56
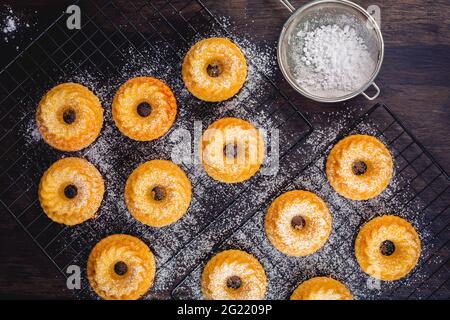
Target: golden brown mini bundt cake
69, 117
298, 223
71, 191
387, 248
233, 275
214, 69
359, 167
231, 150
158, 193
321, 288
144, 108
121, 267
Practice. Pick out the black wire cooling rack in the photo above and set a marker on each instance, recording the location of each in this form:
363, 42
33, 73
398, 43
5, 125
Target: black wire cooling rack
419, 192
158, 33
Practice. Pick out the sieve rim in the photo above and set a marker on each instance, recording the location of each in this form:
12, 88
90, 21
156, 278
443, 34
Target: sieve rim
284, 65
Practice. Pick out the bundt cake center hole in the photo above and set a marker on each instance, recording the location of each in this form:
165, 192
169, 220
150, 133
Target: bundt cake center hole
359, 167
298, 222
69, 116
70, 191
214, 70
120, 268
158, 193
230, 150
387, 248
144, 109
234, 282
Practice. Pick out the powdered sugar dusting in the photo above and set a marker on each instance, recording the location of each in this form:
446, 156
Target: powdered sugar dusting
217, 210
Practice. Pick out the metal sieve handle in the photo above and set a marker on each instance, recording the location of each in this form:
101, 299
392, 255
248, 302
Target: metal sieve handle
375, 95
288, 5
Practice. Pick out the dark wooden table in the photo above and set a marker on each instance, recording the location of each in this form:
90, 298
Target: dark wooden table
414, 79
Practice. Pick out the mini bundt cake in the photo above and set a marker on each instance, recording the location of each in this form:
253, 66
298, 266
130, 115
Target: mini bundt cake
321, 288
298, 223
231, 150
387, 248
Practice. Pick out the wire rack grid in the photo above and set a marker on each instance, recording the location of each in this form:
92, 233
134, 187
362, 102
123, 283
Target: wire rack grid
418, 192
113, 32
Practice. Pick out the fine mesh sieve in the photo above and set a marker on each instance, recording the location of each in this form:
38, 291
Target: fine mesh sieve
329, 12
